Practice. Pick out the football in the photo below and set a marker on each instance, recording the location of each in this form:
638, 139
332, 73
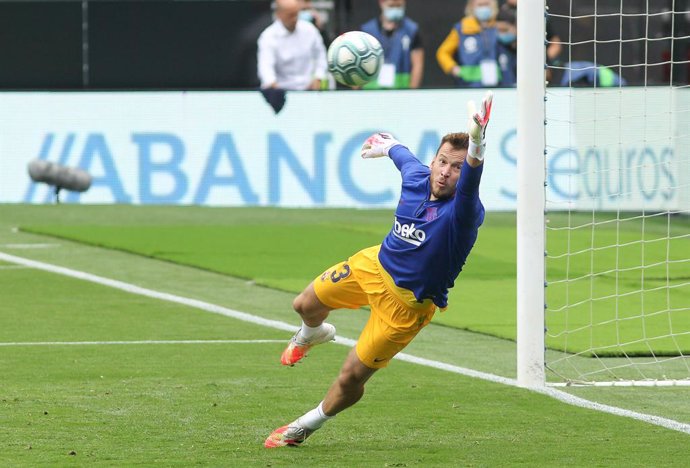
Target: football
355, 58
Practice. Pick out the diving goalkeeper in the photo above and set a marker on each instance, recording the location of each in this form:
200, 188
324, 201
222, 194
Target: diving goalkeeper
405, 278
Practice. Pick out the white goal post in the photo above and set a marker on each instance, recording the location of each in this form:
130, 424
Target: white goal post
603, 209
530, 193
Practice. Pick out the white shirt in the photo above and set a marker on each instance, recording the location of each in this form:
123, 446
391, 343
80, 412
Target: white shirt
291, 59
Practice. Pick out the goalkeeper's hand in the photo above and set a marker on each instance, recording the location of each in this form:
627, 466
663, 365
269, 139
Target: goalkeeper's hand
378, 145
476, 127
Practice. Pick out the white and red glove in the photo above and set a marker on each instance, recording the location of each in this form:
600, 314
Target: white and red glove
378, 145
476, 127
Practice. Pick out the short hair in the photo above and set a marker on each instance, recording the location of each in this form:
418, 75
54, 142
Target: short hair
287, 4
458, 140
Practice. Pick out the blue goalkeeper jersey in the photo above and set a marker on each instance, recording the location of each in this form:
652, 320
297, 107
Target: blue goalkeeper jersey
430, 240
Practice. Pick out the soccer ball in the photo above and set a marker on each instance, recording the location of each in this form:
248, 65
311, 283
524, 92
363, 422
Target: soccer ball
355, 58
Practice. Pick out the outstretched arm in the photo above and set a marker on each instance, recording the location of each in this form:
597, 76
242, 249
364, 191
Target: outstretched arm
476, 129
384, 144
378, 145
468, 207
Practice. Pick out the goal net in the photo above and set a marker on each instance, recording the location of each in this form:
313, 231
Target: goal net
617, 196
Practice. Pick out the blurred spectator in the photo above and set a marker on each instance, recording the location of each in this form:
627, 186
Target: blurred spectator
676, 54
402, 47
582, 73
553, 40
291, 54
312, 15
553, 45
506, 26
469, 53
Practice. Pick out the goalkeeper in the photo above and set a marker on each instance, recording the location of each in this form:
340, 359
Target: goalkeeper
405, 278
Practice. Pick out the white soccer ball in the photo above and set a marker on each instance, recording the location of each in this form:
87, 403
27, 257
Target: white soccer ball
355, 58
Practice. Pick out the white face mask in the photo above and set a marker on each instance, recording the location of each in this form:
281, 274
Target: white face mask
483, 13
507, 37
306, 15
394, 14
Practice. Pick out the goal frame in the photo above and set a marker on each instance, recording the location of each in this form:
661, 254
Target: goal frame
532, 202
531, 181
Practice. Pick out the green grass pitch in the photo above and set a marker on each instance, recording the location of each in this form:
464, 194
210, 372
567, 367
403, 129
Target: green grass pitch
263, 248
213, 404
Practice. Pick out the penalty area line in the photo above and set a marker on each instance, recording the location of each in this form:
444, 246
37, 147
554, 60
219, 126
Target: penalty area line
216, 309
136, 342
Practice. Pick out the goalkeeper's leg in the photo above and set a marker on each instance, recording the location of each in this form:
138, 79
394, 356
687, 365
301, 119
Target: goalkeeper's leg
336, 288
313, 331
347, 390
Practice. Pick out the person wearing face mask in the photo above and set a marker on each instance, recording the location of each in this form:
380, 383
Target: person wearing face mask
554, 45
291, 54
506, 26
310, 14
402, 47
469, 54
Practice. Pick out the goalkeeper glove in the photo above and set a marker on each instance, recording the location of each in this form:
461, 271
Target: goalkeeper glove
378, 145
477, 126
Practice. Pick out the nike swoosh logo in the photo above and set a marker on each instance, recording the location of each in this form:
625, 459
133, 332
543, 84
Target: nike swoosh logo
379, 360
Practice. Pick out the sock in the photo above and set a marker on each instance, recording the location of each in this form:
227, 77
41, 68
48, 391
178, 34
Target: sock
314, 419
307, 332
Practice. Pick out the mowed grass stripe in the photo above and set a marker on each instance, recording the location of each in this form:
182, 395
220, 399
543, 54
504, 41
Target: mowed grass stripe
564, 397
288, 248
137, 342
204, 406
195, 406
139, 291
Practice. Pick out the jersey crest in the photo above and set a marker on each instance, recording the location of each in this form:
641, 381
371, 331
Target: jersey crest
431, 213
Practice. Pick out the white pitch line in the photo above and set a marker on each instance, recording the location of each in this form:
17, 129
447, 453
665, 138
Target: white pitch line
30, 246
216, 309
140, 342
